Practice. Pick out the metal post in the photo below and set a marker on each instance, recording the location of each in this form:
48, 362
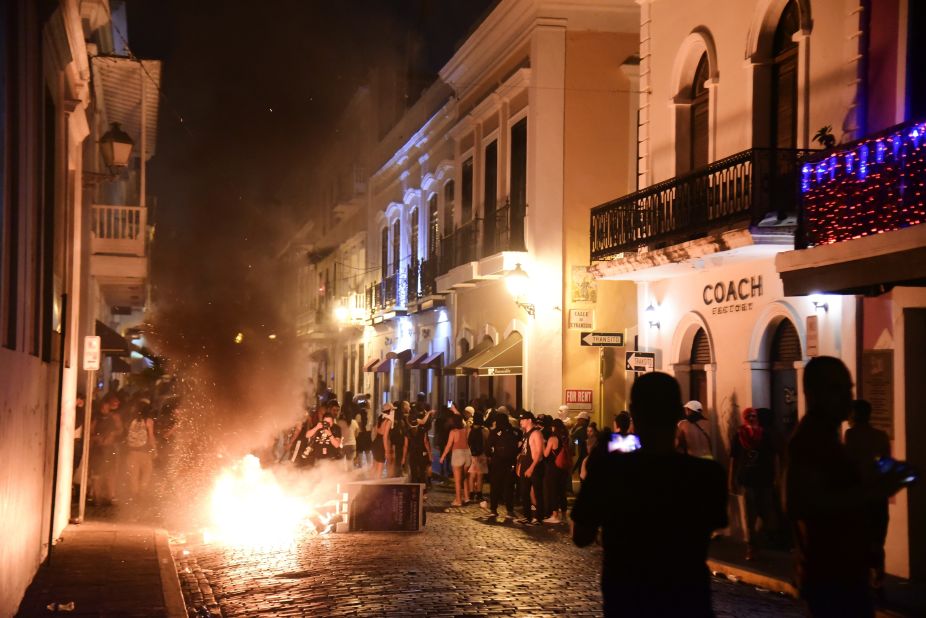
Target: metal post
601, 387
142, 188
85, 455
57, 457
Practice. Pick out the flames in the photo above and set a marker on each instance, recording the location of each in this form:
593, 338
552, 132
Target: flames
250, 507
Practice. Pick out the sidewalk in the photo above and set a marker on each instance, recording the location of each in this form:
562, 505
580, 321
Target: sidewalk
107, 569
773, 571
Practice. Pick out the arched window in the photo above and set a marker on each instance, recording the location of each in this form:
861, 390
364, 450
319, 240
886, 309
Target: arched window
413, 237
396, 246
433, 227
699, 124
700, 357
783, 121
449, 208
384, 253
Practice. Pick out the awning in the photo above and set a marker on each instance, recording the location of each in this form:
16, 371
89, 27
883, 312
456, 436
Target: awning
504, 359
413, 364
457, 367
404, 355
371, 364
111, 342
384, 366
117, 365
432, 361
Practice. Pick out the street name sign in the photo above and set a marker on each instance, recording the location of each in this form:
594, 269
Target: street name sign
641, 362
581, 318
91, 353
602, 339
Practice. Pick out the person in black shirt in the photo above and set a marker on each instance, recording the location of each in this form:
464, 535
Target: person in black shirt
502, 449
656, 509
325, 438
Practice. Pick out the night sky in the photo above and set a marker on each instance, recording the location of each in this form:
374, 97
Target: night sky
256, 85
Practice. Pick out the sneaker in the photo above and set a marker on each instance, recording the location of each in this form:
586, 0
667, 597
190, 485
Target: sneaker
553, 519
509, 516
493, 513
485, 505
535, 522
523, 521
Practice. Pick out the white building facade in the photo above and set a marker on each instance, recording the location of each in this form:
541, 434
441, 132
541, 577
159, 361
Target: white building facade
730, 101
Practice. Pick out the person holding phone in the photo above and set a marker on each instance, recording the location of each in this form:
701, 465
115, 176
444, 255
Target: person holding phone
827, 499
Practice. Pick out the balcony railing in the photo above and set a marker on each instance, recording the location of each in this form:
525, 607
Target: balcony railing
461, 246
745, 187
506, 232
870, 186
412, 275
428, 276
389, 290
118, 230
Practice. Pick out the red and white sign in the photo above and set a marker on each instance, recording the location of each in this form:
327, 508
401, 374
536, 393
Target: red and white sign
579, 399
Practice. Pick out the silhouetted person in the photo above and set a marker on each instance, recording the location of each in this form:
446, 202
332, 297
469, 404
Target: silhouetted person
656, 508
865, 444
502, 448
826, 500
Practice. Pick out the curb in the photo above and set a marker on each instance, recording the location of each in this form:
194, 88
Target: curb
753, 578
775, 584
170, 581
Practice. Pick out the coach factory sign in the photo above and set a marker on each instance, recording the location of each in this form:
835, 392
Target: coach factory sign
732, 296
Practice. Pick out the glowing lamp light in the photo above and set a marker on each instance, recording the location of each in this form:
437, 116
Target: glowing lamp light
239, 337
819, 303
517, 283
116, 147
341, 314
272, 336
652, 316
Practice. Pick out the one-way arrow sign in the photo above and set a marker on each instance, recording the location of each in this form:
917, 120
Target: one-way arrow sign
602, 339
641, 361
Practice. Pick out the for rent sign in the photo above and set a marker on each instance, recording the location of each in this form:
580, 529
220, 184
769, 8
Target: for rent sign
579, 399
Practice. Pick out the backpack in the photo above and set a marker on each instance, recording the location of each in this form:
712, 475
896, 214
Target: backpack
476, 441
505, 445
137, 436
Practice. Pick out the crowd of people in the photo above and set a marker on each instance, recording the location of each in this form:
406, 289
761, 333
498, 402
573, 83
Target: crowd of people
651, 491
131, 433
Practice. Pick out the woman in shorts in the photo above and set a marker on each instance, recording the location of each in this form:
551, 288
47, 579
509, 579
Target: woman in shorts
460, 459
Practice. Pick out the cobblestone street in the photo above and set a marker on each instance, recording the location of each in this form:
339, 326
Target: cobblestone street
459, 565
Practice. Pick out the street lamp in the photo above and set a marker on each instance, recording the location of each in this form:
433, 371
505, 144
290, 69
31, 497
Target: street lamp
517, 283
652, 316
116, 147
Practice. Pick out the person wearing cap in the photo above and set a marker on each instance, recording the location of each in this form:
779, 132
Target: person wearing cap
530, 470
693, 433
381, 445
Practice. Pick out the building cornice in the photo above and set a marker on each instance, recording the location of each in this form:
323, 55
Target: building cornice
510, 25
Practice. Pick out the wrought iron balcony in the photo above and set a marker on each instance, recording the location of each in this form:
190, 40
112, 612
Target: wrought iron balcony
389, 290
428, 276
461, 246
870, 186
742, 189
504, 231
412, 274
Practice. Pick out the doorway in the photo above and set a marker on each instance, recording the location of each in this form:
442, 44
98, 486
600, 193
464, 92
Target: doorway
785, 351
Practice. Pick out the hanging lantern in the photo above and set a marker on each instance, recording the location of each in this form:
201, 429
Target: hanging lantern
116, 147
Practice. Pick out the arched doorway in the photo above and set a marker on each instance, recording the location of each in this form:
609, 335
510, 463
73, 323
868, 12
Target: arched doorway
783, 120
784, 352
701, 359
700, 119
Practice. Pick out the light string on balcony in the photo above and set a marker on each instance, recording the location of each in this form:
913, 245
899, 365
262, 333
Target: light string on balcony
872, 187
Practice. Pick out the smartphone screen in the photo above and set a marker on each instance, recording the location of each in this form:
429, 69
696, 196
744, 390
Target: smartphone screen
624, 444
